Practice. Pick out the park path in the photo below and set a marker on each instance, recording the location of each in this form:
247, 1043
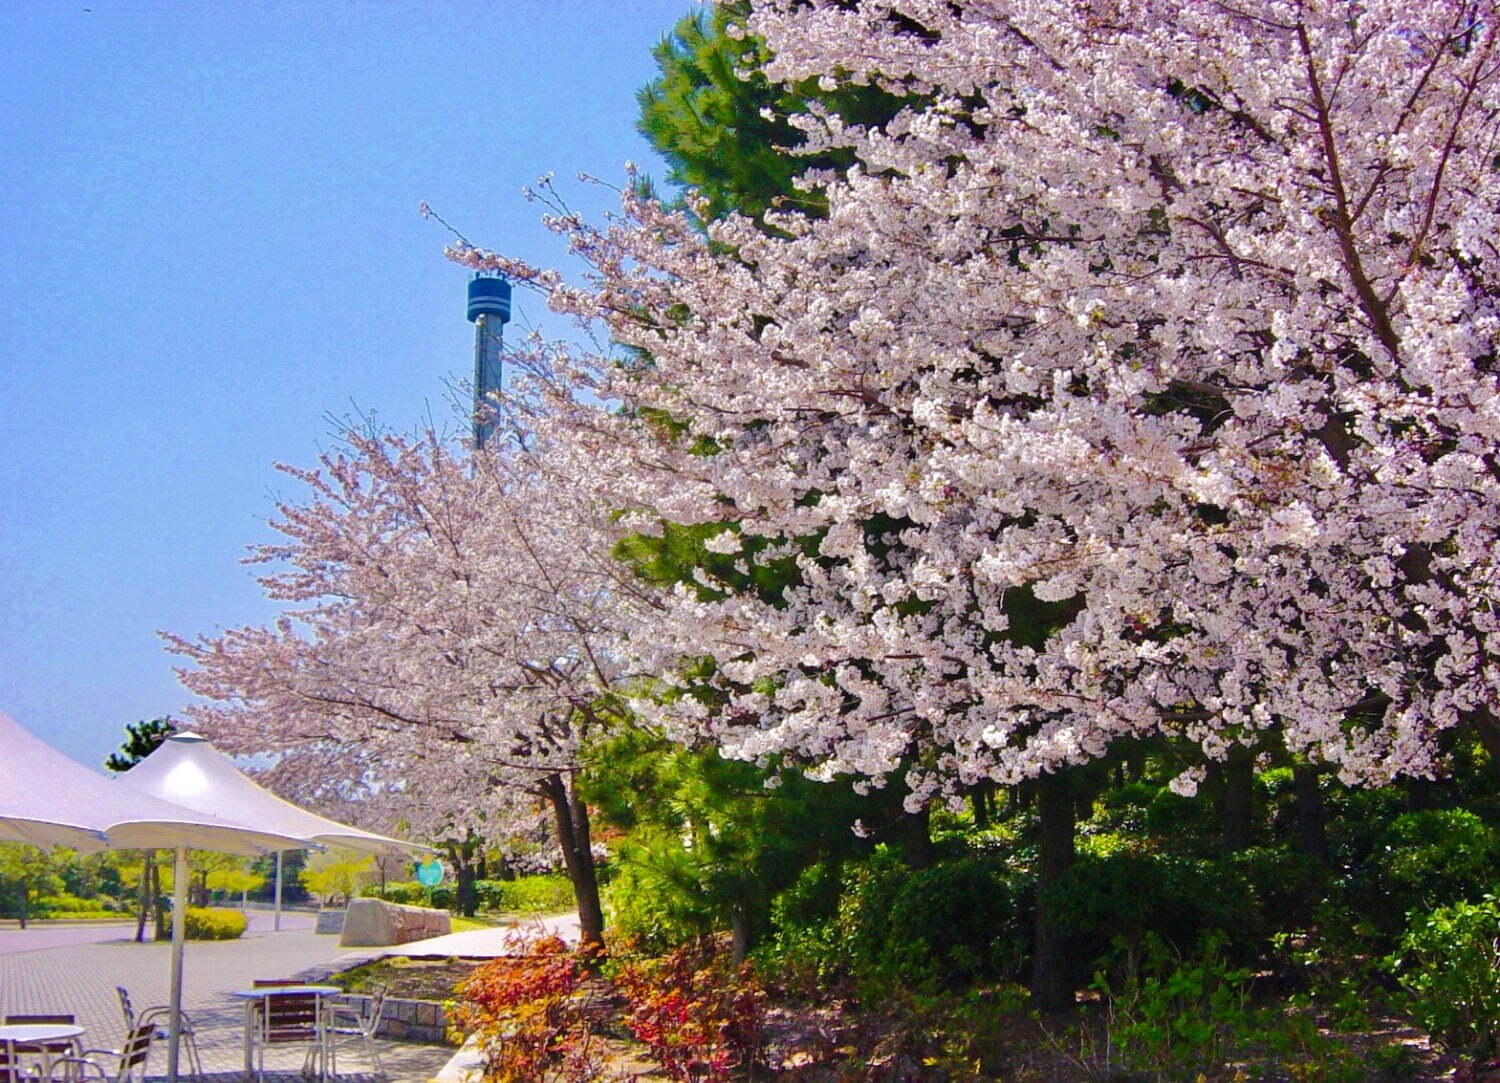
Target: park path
80, 978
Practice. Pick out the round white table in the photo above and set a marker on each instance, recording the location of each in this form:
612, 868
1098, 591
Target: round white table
256, 997
40, 1036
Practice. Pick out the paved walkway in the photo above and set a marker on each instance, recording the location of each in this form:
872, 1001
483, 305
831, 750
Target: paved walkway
487, 943
80, 977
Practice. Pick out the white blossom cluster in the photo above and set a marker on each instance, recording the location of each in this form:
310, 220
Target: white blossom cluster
447, 642
1140, 379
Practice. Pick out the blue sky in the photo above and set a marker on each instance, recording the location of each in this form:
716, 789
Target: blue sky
210, 242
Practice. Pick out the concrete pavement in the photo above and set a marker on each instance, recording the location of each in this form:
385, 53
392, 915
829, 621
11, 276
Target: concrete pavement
80, 978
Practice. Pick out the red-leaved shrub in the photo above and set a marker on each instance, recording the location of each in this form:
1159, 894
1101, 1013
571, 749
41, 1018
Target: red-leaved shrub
529, 1013
701, 1018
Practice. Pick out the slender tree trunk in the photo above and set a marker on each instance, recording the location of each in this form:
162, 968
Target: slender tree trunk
572, 821
739, 927
1312, 815
1052, 977
25, 900
1237, 824
147, 863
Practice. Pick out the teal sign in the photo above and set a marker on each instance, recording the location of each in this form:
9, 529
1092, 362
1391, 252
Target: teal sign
430, 873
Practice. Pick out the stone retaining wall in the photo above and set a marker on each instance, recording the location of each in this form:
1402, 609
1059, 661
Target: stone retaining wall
407, 1020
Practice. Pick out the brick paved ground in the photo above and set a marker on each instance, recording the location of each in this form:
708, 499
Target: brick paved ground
81, 977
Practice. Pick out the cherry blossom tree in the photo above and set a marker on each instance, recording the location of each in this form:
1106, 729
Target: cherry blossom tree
1140, 379
448, 639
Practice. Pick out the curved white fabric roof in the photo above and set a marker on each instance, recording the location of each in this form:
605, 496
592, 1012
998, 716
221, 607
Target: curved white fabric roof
186, 769
47, 799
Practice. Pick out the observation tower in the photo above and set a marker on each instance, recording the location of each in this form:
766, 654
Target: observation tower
489, 311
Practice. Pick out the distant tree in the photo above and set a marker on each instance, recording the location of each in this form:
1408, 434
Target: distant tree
141, 739
30, 871
337, 875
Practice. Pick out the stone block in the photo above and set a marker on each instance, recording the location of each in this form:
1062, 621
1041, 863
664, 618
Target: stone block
374, 923
330, 921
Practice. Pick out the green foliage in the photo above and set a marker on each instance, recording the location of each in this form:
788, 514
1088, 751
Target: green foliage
1133, 897
941, 926
728, 136
337, 874
65, 906
526, 894
707, 842
1416, 861
1449, 964
201, 923
888, 928
411, 893
1171, 1017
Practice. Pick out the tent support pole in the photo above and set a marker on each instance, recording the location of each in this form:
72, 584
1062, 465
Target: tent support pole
276, 923
179, 933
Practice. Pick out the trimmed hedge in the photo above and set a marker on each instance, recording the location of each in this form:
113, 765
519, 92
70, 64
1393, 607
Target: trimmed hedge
202, 923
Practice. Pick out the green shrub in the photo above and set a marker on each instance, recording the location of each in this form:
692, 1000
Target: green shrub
1285, 885
405, 892
70, 906
1420, 861
411, 893
202, 923
526, 894
1128, 897
1450, 967
943, 926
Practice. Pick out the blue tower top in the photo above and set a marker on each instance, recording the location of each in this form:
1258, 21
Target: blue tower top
489, 295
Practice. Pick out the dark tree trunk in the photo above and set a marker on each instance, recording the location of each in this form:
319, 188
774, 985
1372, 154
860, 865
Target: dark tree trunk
1312, 816
1237, 823
979, 800
1052, 972
25, 899
739, 927
147, 866
913, 833
572, 822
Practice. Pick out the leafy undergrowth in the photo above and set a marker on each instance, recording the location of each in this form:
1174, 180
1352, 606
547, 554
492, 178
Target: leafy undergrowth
689, 1017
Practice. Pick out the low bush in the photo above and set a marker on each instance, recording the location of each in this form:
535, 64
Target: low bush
202, 923
526, 894
71, 906
1430, 859
411, 893
1449, 965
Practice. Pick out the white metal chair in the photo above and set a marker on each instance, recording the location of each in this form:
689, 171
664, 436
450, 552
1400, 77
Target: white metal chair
345, 1021
160, 1015
125, 1061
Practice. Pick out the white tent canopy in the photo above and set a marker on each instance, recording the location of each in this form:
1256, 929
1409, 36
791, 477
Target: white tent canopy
47, 799
186, 769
